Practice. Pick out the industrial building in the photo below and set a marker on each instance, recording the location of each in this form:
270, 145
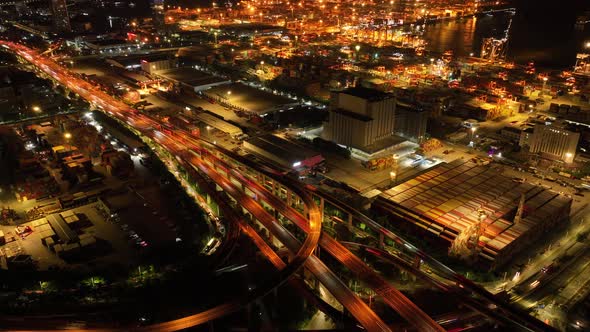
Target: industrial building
109, 45
248, 99
410, 122
554, 141
192, 79
219, 124
461, 200
285, 153
362, 119
161, 61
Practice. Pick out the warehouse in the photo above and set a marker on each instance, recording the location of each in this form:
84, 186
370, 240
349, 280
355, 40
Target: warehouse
450, 198
249, 99
285, 153
192, 79
219, 124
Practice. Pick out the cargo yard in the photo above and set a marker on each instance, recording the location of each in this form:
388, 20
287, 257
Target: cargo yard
478, 209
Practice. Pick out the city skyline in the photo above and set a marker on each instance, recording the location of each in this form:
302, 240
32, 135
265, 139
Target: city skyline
285, 165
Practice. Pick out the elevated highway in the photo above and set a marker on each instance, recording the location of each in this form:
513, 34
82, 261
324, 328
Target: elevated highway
146, 126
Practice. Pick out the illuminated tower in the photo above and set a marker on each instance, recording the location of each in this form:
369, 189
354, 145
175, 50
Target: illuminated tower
61, 20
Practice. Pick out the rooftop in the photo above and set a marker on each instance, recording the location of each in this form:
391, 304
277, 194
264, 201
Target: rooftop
449, 197
190, 76
249, 99
282, 148
130, 60
366, 93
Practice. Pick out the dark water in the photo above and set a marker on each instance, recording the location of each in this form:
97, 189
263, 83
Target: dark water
465, 36
542, 31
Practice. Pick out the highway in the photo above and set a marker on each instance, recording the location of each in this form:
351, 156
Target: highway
518, 316
355, 305
391, 296
443, 285
266, 250
149, 128
304, 253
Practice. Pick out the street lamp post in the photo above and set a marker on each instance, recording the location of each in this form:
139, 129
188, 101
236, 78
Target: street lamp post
357, 48
68, 136
394, 169
215, 34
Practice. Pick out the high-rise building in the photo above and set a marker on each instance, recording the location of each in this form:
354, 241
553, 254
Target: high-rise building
360, 117
61, 20
554, 141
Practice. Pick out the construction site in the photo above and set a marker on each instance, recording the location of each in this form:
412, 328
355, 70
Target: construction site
485, 216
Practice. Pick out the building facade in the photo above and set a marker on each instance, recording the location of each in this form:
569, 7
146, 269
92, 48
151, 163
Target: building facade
410, 122
360, 117
61, 19
554, 142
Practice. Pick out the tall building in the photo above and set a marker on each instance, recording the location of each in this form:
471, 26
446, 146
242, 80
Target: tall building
360, 117
410, 122
554, 141
61, 20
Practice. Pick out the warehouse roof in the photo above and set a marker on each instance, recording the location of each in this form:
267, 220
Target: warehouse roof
61, 228
450, 197
218, 123
283, 149
190, 76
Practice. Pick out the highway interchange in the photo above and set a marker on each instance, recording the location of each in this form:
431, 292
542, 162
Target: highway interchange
203, 157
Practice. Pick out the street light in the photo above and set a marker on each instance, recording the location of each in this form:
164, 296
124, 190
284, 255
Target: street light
568, 157
392, 175
68, 136
215, 34
36, 109
229, 92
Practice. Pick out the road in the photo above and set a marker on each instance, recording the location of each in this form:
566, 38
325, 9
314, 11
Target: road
152, 128
408, 250
165, 137
391, 296
553, 250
